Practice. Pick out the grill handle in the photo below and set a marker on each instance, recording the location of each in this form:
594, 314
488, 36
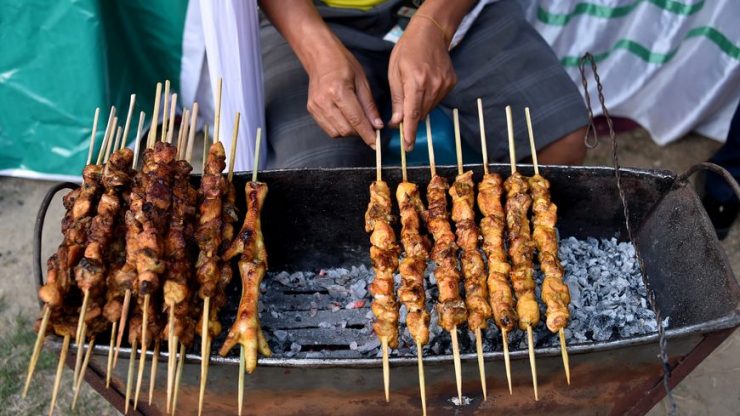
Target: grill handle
712, 167
38, 230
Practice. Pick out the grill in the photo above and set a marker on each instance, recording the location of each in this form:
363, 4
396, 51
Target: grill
313, 220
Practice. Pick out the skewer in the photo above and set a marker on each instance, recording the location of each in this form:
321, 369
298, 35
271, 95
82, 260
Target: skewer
92, 135
453, 333
512, 160
78, 380
507, 361
171, 126
109, 367
108, 128
78, 359
181, 133
37, 348
137, 144
122, 323
119, 133
164, 110
232, 155
130, 376
171, 359
153, 371
460, 171
128, 120
217, 121
155, 118
386, 367
205, 348
533, 149
422, 383
240, 392
60, 370
191, 130
256, 164
142, 356
180, 365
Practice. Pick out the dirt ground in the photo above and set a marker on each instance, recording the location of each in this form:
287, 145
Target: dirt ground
710, 389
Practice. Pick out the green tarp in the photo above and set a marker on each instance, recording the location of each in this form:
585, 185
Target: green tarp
61, 60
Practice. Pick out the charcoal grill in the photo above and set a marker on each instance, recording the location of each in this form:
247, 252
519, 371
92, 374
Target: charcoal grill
313, 219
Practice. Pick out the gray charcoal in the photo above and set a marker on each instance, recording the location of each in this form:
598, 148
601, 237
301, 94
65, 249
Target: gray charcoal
280, 335
295, 347
358, 289
337, 291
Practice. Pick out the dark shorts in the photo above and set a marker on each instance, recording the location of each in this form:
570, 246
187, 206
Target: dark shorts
502, 59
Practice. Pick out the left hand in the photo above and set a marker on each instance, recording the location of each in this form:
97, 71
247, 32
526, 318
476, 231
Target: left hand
420, 75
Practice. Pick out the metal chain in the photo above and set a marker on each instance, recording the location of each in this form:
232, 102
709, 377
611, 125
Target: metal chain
662, 343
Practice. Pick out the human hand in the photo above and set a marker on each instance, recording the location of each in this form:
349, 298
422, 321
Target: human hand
420, 75
339, 96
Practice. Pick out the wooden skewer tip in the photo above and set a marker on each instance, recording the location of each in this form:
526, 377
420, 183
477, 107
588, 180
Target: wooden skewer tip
37, 349
481, 363
456, 360
533, 365
507, 361
422, 381
386, 369
60, 371
564, 353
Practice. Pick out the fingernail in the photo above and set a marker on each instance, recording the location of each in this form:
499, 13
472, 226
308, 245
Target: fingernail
378, 123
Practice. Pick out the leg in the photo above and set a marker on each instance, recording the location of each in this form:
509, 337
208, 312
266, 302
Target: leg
294, 138
504, 61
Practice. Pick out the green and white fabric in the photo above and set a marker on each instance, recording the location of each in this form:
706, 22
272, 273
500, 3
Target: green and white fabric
60, 60
672, 66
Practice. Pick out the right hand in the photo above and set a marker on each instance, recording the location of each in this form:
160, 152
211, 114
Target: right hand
339, 96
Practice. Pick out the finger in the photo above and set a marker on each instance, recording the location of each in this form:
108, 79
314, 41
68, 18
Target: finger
412, 106
368, 104
318, 115
334, 115
396, 87
354, 115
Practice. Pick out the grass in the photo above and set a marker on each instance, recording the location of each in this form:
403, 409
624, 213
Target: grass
16, 345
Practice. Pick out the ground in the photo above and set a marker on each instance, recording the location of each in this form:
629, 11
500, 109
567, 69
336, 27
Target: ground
710, 389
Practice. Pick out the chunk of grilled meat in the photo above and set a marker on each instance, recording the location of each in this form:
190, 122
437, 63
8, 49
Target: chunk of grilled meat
384, 256
80, 206
555, 293
450, 306
473, 268
178, 274
154, 215
492, 227
90, 272
416, 252
521, 249
208, 232
252, 266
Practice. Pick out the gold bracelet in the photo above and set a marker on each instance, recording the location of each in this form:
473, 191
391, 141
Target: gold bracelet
436, 23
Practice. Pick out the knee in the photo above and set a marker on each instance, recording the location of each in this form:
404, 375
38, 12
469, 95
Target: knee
568, 150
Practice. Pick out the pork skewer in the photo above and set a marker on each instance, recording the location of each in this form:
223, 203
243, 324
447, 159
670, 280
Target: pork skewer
384, 256
250, 245
555, 293
416, 249
492, 227
462, 192
450, 306
518, 203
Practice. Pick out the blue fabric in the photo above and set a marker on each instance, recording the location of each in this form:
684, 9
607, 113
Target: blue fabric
728, 156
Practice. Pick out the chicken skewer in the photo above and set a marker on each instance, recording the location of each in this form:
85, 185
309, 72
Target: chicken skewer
250, 245
58, 279
473, 268
75, 228
416, 251
492, 227
518, 203
555, 292
450, 306
384, 256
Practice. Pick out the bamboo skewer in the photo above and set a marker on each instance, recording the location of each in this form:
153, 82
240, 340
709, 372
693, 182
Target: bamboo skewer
109, 367
78, 380
422, 382
171, 357
152, 138
164, 111
191, 130
217, 121
507, 361
386, 367
178, 378
131, 104
78, 359
240, 391
171, 126
92, 135
137, 140
130, 376
153, 371
37, 349
142, 355
232, 155
58, 376
205, 350
533, 149
530, 337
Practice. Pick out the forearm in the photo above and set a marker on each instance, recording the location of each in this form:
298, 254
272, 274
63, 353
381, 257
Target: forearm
302, 26
447, 14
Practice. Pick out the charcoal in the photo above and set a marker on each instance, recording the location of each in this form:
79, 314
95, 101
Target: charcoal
332, 307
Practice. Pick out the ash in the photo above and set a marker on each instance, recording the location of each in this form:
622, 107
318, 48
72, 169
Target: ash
326, 313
